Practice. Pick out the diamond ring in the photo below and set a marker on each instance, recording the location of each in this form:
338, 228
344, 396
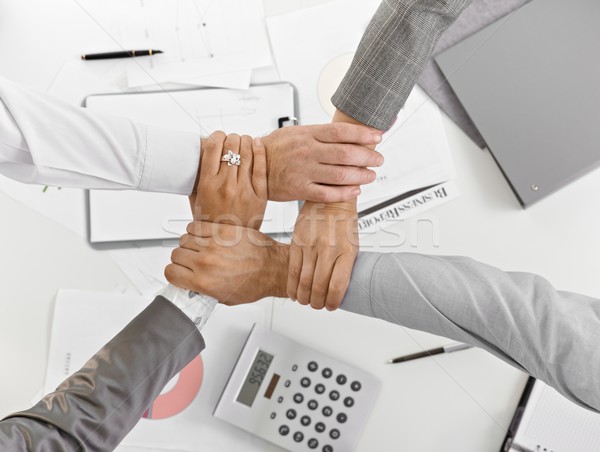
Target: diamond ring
232, 159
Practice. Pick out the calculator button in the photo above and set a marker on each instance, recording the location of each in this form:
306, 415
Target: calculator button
341, 418
327, 448
319, 389
298, 398
305, 420
280, 399
327, 411
273, 415
313, 443
334, 395
320, 427
355, 385
298, 436
334, 433
287, 383
284, 430
327, 373
313, 366
312, 404
349, 401
290, 414
305, 382
341, 379
294, 368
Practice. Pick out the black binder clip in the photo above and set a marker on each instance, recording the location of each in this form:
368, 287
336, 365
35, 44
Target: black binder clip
282, 121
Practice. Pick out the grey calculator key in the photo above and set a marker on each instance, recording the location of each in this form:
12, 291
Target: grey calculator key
320, 427
341, 418
305, 382
327, 448
320, 388
313, 366
284, 430
313, 443
327, 372
349, 401
355, 386
273, 415
334, 433
305, 420
287, 383
294, 367
298, 436
334, 395
341, 379
290, 414
298, 398
313, 404
327, 411
279, 399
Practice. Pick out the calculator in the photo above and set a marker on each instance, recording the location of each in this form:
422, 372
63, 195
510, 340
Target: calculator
296, 397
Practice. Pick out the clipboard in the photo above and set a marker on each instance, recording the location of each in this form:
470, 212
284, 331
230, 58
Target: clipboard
125, 216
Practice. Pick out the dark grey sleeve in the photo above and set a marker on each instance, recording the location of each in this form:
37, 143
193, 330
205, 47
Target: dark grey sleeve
519, 317
391, 56
95, 408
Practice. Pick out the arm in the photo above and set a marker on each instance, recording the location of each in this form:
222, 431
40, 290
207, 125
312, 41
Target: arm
391, 56
518, 317
96, 407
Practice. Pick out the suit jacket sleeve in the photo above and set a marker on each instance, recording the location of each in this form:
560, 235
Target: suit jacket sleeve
519, 317
95, 408
391, 56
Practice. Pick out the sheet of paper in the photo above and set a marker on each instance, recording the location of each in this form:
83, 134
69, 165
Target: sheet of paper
75, 339
198, 37
416, 148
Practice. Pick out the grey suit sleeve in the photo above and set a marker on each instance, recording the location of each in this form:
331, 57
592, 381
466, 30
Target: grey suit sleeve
518, 317
95, 408
391, 56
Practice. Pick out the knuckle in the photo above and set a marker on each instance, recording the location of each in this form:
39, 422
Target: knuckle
306, 282
339, 176
170, 272
337, 131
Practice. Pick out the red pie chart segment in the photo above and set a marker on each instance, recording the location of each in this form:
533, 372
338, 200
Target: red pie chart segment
179, 398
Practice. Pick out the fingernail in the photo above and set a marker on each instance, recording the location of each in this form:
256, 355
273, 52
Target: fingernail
376, 138
380, 160
355, 191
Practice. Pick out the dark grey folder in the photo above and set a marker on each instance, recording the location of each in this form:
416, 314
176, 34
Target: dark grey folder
531, 84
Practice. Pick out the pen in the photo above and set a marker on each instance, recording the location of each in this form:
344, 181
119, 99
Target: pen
124, 54
436, 351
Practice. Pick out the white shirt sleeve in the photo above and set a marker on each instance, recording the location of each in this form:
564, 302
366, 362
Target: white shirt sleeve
45, 141
197, 307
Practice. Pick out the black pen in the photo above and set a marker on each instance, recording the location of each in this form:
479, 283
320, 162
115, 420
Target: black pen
436, 351
124, 54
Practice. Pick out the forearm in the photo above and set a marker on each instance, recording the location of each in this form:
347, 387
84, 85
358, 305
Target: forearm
98, 405
391, 56
46, 141
518, 317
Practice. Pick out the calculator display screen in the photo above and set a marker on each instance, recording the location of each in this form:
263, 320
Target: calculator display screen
255, 377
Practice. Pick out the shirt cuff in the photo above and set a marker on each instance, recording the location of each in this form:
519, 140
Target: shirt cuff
197, 307
171, 162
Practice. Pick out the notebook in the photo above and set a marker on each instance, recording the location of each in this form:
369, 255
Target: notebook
546, 421
123, 216
530, 84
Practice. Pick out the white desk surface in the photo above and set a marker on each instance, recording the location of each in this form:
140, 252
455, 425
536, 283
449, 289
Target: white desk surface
461, 402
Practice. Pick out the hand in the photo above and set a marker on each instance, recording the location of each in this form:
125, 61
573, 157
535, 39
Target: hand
324, 163
232, 194
230, 263
324, 247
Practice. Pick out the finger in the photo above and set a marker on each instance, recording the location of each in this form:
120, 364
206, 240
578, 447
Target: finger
245, 169
294, 270
327, 194
340, 279
320, 285
259, 170
349, 155
184, 257
232, 143
180, 276
192, 242
305, 283
342, 175
202, 228
211, 155
342, 132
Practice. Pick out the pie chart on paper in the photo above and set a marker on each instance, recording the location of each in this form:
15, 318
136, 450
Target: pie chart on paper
181, 395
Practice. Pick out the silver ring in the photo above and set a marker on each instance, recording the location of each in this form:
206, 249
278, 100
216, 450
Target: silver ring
232, 159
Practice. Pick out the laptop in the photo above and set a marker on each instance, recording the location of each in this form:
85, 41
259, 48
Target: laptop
531, 84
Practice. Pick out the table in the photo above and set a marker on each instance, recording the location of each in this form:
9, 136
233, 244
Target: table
460, 402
